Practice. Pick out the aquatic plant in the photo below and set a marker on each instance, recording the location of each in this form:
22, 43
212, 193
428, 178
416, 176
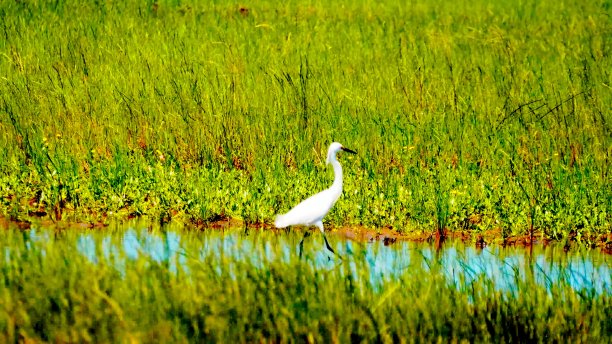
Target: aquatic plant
93, 286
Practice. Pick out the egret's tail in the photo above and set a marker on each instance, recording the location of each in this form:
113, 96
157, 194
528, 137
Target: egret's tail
280, 221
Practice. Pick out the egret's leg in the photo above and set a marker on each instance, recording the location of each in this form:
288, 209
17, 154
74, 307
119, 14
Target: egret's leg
320, 226
327, 245
306, 234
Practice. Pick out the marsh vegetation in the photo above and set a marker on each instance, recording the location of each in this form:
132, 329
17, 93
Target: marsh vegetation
169, 284
471, 116
490, 120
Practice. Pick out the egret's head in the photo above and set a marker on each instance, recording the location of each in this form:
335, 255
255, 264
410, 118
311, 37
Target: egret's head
334, 148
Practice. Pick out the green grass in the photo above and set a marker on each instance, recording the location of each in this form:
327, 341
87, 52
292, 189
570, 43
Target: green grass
51, 291
470, 115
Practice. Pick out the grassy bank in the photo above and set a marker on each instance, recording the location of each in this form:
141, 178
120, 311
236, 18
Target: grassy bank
77, 286
471, 115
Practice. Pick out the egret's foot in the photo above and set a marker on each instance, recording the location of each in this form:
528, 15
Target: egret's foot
329, 247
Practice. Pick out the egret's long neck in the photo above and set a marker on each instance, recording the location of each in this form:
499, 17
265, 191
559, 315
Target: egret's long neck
336, 187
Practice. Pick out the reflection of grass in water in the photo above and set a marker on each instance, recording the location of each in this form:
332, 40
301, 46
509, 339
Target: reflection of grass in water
476, 116
227, 293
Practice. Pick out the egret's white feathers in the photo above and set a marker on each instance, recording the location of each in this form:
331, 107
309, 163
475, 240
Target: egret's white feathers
310, 212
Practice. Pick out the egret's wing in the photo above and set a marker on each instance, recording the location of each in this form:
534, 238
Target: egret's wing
307, 212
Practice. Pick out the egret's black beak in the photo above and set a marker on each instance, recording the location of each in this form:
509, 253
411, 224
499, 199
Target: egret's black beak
348, 150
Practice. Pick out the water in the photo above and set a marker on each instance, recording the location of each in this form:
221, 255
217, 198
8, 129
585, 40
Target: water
462, 265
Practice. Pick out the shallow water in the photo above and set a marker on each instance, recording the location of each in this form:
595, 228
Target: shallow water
581, 269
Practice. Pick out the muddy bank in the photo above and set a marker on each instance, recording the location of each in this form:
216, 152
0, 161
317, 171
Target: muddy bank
361, 234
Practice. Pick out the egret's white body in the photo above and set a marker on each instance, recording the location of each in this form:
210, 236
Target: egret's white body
311, 211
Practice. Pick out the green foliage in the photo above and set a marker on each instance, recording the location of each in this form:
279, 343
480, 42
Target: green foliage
475, 115
55, 287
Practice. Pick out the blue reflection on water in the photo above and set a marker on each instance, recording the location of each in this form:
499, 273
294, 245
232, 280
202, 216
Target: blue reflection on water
462, 265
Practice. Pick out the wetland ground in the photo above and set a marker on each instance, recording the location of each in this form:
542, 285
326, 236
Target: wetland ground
482, 128
475, 116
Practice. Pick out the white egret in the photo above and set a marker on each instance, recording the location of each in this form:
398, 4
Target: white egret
310, 212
